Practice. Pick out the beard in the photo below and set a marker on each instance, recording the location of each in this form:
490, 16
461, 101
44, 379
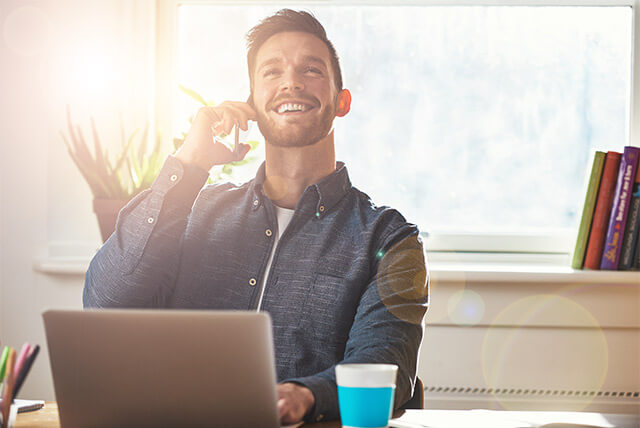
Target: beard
297, 134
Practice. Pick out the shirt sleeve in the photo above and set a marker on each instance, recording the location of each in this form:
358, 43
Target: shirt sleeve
138, 264
388, 325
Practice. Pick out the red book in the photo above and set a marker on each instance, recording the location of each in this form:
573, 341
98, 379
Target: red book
602, 211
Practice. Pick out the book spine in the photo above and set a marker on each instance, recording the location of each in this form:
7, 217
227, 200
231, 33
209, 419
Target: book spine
602, 211
587, 210
633, 226
636, 254
620, 209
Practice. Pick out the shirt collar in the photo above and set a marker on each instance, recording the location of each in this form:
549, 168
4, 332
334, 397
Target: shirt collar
327, 191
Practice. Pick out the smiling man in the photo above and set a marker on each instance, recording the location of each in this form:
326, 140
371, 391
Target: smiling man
342, 279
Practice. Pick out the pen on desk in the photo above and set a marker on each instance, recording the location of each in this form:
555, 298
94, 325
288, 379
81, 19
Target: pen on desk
3, 362
22, 375
8, 389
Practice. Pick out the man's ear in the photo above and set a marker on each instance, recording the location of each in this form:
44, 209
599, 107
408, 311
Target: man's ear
344, 103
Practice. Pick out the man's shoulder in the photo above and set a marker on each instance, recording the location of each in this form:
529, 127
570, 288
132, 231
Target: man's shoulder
368, 207
378, 216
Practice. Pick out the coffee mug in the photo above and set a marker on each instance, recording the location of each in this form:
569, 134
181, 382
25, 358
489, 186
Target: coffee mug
365, 394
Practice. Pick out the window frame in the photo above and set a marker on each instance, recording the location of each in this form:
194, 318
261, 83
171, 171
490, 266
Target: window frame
559, 243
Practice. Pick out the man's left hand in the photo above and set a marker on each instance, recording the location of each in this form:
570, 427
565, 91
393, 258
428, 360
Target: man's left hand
294, 402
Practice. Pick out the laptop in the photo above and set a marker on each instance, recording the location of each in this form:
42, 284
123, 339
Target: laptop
139, 368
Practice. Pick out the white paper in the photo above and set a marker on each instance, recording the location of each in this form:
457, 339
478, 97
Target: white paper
511, 419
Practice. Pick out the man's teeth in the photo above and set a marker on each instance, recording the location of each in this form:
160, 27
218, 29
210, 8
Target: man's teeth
291, 107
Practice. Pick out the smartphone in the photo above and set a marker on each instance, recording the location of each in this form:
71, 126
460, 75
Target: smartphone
236, 144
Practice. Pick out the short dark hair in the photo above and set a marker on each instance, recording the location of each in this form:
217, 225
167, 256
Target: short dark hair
286, 20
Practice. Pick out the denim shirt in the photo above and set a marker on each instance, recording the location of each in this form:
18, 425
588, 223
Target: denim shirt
348, 280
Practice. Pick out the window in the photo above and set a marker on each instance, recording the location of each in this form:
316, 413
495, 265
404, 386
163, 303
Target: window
476, 122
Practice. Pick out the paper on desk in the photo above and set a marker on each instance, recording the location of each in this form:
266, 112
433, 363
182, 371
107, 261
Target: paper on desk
509, 419
13, 411
457, 419
573, 419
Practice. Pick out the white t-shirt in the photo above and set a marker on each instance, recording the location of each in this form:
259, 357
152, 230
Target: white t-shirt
284, 216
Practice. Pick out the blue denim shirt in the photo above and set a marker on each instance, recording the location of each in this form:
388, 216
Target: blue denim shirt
348, 280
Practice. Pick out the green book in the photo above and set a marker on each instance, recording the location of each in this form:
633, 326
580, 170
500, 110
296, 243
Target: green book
587, 211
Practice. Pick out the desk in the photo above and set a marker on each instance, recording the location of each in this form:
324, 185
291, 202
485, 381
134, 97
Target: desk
48, 418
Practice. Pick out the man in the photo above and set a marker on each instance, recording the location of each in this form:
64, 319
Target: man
343, 280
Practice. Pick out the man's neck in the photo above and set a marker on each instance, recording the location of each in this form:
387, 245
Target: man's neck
289, 170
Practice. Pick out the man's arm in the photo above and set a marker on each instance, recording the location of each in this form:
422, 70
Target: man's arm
138, 264
388, 324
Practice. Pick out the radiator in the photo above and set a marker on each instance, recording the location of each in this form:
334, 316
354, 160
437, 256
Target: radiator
468, 397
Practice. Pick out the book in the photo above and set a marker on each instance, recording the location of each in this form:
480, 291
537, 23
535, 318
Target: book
636, 256
620, 209
28, 405
588, 209
602, 211
633, 226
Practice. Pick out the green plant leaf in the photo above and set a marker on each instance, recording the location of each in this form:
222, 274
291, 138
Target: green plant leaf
193, 94
98, 169
125, 151
102, 163
100, 158
142, 148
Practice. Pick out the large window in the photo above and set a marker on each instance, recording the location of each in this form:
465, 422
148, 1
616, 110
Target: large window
471, 120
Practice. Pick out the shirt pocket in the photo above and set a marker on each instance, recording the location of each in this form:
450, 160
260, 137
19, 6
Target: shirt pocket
329, 309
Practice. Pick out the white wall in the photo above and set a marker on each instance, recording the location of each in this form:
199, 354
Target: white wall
97, 57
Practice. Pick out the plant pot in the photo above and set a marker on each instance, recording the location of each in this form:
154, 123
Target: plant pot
107, 213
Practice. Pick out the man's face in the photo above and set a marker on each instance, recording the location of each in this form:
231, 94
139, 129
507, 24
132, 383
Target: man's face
294, 91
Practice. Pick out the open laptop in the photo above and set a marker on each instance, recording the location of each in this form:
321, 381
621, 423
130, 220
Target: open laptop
137, 368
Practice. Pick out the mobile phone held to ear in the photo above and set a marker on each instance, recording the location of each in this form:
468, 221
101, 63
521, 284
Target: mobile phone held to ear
236, 144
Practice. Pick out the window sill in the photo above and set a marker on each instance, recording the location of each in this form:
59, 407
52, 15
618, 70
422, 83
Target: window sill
440, 270
538, 273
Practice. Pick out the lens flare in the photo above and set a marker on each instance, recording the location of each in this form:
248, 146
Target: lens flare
402, 280
27, 30
466, 307
443, 288
520, 350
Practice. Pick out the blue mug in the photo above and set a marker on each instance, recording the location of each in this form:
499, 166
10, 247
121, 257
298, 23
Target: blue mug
365, 394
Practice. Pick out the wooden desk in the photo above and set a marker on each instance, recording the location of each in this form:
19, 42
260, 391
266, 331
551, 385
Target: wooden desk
47, 417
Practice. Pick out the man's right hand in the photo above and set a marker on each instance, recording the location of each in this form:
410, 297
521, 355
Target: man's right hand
201, 149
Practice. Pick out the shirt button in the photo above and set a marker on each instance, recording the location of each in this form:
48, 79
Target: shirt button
173, 177
268, 232
150, 220
319, 418
252, 282
321, 208
255, 203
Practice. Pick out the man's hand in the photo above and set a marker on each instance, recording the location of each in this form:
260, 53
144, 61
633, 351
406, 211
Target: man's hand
294, 402
201, 149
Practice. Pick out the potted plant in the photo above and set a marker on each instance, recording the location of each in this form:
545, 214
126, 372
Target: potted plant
113, 183
134, 168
